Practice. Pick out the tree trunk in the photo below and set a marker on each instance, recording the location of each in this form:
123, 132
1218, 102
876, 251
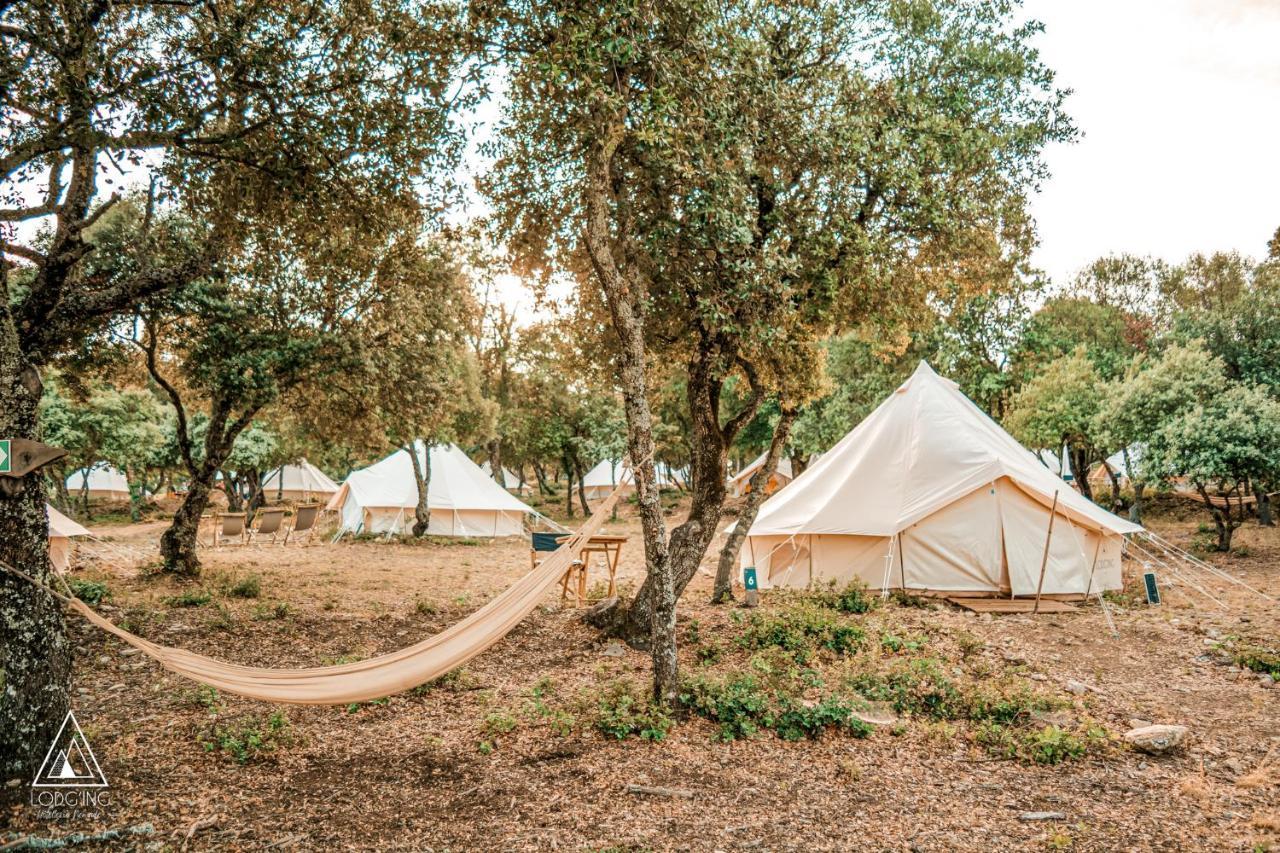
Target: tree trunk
568, 492
799, 463
1221, 520
1080, 470
35, 657
257, 500
582, 489
422, 478
1135, 509
179, 544
494, 446
544, 488
755, 498
1264, 510
231, 488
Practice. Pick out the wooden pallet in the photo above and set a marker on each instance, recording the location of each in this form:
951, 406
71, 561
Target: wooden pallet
1011, 605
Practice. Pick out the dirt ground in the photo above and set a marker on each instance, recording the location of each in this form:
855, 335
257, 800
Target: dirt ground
465, 765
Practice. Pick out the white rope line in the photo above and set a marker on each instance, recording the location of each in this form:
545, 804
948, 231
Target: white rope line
1169, 548
888, 566
1180, 576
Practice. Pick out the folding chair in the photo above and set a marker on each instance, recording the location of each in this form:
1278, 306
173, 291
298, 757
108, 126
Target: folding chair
267, 523
545, 543
304, 523
229, 529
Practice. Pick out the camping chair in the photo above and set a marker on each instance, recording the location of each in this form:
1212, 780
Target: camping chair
267, 523
228, 527
304, 523
545, 543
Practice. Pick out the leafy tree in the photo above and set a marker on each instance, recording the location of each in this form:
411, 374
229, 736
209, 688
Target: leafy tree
255, 113
1065, 325
730, 182
1058, 407
254, 452
1152, 392
1243, 329
1223, 447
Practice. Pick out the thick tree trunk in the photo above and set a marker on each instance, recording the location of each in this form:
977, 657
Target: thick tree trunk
1080, 470
755, 498
179, 545
799, 463
35, 657
1135, 509
544, 488
231, 488
1221, 520
422, 478
1264, 510
494, 446
257, 500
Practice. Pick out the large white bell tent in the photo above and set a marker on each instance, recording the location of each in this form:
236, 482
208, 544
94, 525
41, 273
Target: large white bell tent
300, 482
607, 473
61, 531
929, 494
105, 483
463, 500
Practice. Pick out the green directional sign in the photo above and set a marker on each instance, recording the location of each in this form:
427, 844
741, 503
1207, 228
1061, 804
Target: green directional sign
6, 461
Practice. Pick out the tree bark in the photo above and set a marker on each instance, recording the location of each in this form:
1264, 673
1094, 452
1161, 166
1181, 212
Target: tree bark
35, 656
1264, 509
544, 488
179, 544
755, 498
422, 478
231, 488
1135, 509
582, 488
1080, 470
494, 446
1221, 520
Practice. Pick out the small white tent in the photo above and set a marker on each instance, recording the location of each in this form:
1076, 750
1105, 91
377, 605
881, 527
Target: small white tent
928, 493
1099, 477
463, 501
301, 482
607, 473
740, 483
105, 483
510, 481
61, 529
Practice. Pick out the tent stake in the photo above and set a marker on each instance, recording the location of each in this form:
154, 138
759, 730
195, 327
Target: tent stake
1044, 561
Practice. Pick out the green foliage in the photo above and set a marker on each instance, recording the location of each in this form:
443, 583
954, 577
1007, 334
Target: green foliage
246, 738
1257, 658
623, 710
1058, 405
250, 586
914, 686
1048, 745
190, 598
800, 628
741, 706
852, 599
90, 592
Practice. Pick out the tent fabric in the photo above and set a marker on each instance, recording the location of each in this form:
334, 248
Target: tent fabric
105, 482
929, 493
738, 484
463, 500
1117, 463
61, 529
300, 482
510, 481
365, 680
607, 473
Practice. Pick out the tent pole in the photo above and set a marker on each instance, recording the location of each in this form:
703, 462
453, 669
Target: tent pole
902, 564
1044, 560
1094, 567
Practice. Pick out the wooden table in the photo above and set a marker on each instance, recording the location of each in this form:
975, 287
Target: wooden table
607, 545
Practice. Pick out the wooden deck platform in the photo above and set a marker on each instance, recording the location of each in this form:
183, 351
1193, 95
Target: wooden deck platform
1010, 605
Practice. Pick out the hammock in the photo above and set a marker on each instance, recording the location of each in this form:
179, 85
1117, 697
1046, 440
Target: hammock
380, 676
1221, 501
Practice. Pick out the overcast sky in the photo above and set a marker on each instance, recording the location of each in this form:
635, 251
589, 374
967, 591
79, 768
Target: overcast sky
1178, 102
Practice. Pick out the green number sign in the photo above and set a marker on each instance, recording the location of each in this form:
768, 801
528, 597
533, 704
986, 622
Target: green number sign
6, 461
749, 578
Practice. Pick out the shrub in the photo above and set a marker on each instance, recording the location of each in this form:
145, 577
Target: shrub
852, 599
798, 630
742, 707
249, 586
1048, 745
795, 721
246, 738
1257, 658
917, 686
620, 713
90, 592
191, 598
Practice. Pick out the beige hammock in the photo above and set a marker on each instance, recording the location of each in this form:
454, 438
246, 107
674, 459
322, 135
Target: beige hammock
386, 674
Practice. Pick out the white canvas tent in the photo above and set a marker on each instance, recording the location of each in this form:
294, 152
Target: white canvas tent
105, 483
1099, 476
300, 482
61, 530
463, 500
510, 481
607, 473
740, 483
928, 493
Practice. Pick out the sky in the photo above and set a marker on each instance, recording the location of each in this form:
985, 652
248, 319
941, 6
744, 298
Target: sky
1178, 102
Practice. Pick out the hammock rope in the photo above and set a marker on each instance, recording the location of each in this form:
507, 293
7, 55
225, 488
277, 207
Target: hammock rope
375, 677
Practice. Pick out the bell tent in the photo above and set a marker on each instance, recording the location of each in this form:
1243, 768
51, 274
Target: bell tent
61, 530
740, 483
105, 483
509, 479
607, 473
929, 494
300, 482
463, 500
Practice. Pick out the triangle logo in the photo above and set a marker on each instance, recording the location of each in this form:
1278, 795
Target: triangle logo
70, 762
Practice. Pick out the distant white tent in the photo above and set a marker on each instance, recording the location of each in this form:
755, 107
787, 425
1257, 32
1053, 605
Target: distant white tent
928, 493
509, 479
105, 483
740, 483
1125, 472
1058, 462
607, 473
463, 500
61, 530
300, 482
